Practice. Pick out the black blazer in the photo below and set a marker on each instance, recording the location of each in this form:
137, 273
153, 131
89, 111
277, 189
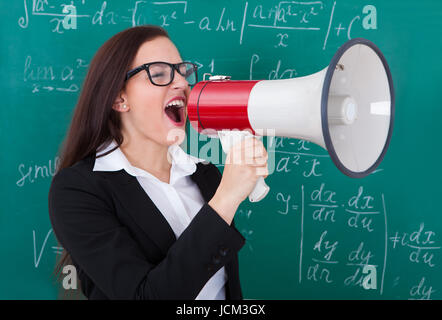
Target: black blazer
123, 247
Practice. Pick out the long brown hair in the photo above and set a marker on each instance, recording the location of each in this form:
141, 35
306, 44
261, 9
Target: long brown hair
94, 122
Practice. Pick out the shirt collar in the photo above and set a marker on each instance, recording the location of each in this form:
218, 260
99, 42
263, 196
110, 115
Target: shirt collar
183, 164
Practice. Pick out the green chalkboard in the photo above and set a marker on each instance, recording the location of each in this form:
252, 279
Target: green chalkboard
312, 234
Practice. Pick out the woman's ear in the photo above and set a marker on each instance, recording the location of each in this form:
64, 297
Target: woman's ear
120, 103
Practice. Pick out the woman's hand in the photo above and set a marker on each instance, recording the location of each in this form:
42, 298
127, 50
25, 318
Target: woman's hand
245, 163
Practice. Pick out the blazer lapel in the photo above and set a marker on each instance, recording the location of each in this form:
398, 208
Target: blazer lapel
207, 184
143, 210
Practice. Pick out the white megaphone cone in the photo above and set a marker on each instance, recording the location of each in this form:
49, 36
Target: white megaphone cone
346, 108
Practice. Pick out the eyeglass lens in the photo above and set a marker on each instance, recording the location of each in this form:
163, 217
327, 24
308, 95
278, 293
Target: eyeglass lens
161, 73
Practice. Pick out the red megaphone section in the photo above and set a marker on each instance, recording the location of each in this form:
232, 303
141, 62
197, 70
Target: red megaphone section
220, 104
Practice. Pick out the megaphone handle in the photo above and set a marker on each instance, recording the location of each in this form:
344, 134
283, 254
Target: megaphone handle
228, 139
260, 191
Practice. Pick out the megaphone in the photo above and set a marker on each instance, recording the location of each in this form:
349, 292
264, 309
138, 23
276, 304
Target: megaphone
347, 108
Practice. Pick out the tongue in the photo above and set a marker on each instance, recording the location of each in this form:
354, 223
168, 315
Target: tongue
173, 113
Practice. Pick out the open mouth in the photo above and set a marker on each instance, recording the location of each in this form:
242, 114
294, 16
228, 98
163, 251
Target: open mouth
175, 111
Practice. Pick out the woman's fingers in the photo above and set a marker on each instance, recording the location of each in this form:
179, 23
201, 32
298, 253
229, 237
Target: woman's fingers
256, 161
262, 171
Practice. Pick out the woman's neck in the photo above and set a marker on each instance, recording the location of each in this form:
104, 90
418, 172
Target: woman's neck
149, 156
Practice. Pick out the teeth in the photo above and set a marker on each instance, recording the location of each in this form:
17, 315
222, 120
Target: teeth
178, 103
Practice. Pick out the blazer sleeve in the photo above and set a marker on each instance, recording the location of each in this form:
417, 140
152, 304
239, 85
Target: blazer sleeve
86, 226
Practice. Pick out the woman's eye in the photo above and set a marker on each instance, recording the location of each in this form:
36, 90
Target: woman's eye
158, 75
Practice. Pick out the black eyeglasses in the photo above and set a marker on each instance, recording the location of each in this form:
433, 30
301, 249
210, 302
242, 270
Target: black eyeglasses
162, 73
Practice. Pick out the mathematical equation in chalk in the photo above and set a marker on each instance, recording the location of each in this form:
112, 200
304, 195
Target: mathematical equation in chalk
338, 238
51, 78
283, 17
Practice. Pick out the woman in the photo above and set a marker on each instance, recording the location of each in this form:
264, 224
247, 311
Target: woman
134, 224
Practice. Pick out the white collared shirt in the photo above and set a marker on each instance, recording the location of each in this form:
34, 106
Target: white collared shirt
179, 200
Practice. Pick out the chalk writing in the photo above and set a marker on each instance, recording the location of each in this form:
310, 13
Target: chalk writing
284, 17
422, 244
39, 250
47, 78
421, 291
31, 173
